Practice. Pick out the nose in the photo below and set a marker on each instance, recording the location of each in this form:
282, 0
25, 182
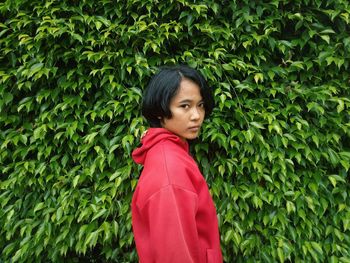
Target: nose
195, 114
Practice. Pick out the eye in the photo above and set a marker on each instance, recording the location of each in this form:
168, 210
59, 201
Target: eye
185, 106
201, 105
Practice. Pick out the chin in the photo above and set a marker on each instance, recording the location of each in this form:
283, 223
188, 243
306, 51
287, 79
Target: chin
191, 137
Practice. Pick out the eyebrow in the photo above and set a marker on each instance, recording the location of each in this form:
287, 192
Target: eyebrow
189, 101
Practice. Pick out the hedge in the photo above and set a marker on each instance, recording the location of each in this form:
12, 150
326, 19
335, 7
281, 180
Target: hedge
275, 152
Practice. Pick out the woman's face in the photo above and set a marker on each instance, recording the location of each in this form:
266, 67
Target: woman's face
187, 109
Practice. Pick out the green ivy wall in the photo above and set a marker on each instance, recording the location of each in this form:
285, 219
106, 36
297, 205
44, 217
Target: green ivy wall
275, 153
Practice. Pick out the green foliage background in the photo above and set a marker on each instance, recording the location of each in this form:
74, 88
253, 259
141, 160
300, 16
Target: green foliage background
276, 151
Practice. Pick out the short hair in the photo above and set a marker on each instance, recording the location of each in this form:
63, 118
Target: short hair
164, 85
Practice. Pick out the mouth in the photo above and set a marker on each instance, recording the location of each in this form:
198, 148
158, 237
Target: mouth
194, 128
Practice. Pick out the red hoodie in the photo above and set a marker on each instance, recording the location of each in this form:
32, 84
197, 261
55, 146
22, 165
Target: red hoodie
173, 215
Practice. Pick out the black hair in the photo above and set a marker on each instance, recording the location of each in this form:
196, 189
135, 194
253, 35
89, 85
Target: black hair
164, 85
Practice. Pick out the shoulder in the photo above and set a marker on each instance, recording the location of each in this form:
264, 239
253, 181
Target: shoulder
167, 164
166, 152
172, 158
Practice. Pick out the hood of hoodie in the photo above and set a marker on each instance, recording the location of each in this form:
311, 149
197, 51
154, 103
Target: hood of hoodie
152, 137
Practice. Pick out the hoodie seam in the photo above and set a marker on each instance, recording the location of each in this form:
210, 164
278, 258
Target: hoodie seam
165, 164
163, 188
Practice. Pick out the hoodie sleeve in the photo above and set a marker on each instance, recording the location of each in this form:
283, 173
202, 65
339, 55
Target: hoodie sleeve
172, 230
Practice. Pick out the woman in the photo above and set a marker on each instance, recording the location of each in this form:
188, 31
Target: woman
173, 215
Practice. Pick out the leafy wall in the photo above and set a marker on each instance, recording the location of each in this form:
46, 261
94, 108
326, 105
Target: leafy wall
276, 151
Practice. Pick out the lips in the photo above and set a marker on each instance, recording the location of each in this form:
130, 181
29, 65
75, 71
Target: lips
194, 128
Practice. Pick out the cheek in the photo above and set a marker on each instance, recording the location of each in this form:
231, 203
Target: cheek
202, 113
178, 114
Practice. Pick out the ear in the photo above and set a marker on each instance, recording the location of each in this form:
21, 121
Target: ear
161, 120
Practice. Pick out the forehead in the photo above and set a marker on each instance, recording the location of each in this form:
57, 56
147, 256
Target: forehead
188, 90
